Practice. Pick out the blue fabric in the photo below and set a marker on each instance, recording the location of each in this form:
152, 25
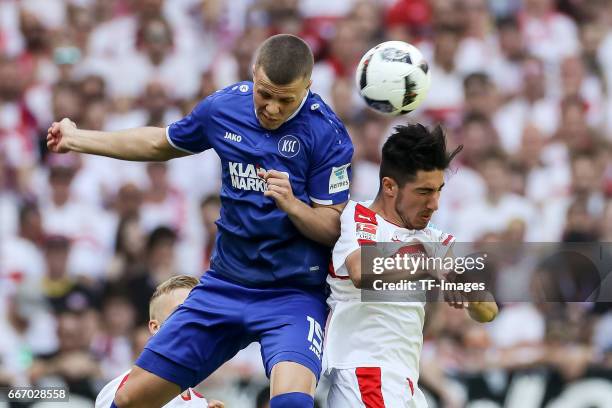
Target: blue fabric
113, 405
221, 317
257, 244
292, 400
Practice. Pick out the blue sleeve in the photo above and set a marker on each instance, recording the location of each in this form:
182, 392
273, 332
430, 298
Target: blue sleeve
330, 174
190, 133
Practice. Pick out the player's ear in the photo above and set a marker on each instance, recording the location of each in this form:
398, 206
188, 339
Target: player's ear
153, 326
389, 186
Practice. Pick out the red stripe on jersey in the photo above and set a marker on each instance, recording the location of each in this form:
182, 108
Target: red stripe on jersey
364, 214
447, 240
363, 242
365, 225
332, 272
197, 394
122, 382
412, 249
186, 397
411, 385
370, 386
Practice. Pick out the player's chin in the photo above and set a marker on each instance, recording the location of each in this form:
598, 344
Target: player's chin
420, 224
269, 124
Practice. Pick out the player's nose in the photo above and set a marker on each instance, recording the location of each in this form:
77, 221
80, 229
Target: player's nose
272, 109
432, 203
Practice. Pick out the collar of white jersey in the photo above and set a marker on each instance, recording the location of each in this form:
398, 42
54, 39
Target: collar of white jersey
294, 114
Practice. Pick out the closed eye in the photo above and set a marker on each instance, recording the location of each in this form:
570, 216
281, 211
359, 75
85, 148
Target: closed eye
264, 94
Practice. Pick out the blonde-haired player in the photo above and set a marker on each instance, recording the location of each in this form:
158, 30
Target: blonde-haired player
372, 349
167, 297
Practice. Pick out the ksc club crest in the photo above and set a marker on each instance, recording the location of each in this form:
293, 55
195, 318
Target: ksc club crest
289, 146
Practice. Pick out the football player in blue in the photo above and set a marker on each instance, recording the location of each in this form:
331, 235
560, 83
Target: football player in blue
285, 167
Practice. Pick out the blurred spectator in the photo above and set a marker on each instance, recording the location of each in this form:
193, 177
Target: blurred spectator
531, 106
163, 204
156, 60
549, 34
160, 265
480, 95
113, 347
500, 206
60, 289
506, 69
129, 255
445, 97
72, 363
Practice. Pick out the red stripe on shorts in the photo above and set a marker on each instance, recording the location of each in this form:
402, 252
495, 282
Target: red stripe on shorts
370, 386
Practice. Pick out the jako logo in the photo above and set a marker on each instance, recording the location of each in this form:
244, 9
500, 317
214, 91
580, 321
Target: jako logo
232, 136
289, 146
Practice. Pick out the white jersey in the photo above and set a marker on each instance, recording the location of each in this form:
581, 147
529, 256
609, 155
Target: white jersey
374, 334
189, 398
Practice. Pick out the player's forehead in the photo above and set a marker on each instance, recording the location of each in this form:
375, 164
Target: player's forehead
433, 179
264, 84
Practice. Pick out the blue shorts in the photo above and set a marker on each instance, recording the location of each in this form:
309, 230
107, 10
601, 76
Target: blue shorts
219, 318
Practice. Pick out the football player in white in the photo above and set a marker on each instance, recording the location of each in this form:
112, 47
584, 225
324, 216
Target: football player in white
372, 348
167, 297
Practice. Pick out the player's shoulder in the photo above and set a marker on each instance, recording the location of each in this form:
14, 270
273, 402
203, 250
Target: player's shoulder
322, 119
241, 89
359, 211
231, 93
228, 98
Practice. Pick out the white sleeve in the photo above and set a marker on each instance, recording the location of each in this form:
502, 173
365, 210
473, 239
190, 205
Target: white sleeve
107, 395
439, 242
353, 234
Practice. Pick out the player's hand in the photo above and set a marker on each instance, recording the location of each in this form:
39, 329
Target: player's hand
215, 404
58, 135
279, 188
455, 298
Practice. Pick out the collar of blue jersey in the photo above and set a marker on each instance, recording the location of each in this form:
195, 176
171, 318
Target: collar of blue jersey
294, 114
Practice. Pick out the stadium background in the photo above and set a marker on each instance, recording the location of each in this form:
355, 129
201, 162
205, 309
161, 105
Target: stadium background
524, 85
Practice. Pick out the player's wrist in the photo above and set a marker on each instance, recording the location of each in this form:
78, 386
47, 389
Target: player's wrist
294, 207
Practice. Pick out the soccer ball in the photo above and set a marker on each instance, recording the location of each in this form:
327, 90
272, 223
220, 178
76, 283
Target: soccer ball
393, 78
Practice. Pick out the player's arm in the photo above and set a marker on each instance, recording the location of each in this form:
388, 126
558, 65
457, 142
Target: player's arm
481, 305
320, 223
353, 266
139, 144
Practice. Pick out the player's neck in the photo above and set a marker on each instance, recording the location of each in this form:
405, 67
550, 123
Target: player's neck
387, 212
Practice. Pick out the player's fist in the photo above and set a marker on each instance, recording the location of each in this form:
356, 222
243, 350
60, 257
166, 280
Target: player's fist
279, 188
215, 404
58, 135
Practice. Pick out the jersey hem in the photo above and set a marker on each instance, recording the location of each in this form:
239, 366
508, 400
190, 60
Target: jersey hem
321, 202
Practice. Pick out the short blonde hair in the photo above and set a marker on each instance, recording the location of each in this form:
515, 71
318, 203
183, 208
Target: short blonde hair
170, 285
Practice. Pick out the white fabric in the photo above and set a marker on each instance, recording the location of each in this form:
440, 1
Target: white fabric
186, 399
552, 37
374, 334
345, 392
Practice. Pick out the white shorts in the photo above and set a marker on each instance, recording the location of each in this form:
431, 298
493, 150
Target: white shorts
372, 387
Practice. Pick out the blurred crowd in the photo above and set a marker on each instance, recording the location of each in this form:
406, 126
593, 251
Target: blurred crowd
525, 86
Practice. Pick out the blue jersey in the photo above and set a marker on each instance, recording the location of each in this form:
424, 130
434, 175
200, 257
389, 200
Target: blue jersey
257, 244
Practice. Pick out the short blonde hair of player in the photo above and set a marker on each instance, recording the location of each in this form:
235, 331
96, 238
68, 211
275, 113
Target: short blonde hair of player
166, 288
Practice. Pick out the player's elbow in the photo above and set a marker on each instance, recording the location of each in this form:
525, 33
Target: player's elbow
356, 279
356, 282
123, 399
